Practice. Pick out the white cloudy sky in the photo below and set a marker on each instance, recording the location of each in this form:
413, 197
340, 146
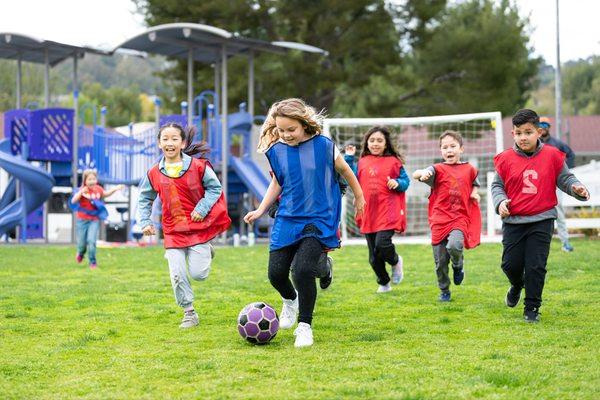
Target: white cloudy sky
106, 23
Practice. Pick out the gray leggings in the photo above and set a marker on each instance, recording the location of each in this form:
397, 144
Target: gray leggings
197, 259
448, 249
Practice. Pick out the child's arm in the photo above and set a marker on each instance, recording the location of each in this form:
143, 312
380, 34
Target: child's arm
475, 194
112, 191
499, 197
401, 183
425, 175
568, 183
342, 167
145, 200
349, 152
273, 191
212, 192
79, 194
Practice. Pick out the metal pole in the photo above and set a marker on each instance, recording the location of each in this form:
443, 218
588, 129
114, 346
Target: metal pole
190, 88
46, 79
18, 82
217, 79
75, 151
557, 78
157, 112
251, 83
224, 130
103, 111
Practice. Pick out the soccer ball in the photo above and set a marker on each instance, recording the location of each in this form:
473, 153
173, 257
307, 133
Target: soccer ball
258, 323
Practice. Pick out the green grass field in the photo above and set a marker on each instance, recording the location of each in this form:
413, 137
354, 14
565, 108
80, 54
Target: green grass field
68, 332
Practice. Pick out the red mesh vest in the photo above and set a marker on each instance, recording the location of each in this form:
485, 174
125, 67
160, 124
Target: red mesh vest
179, 196
451, 206
530, 182
386, 208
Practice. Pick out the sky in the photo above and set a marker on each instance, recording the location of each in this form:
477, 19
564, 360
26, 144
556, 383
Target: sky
107, 23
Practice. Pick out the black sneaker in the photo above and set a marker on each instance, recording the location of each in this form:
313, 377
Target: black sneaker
512, 296
445, 296
531, 315
325, 282
458, 276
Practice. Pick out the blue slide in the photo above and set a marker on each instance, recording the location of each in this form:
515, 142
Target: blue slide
253, 177
37, 186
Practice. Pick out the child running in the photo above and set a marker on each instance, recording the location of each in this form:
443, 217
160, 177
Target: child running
304, 165
193, 211
454, 214
384, 181
90, 209
524, 194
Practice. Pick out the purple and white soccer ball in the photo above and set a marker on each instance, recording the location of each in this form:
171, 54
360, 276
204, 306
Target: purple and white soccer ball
258, 323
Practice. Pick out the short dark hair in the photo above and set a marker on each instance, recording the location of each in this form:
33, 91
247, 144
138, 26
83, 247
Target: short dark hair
453, 134
524, 116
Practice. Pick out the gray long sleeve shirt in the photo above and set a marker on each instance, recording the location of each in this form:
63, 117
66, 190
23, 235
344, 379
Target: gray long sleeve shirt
564, 182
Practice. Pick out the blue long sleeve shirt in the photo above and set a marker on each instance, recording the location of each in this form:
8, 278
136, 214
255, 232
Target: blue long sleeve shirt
210, 182
403, 180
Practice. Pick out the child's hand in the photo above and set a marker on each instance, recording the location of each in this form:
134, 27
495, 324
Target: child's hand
359, 205
196, 217
120, 187
149, 230
580, 190
252, 216
392, 183
350, 150
503, 208
425, 174
475, 196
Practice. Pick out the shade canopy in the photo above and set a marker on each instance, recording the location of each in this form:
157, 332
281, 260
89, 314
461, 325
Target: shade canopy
204, 41
31, 49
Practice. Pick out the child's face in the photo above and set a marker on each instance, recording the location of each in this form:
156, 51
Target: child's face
451, 150
170, 143
91, 180
526, 136
376, 143
290, 130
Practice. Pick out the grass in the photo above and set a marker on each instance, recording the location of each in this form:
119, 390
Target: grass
68, 332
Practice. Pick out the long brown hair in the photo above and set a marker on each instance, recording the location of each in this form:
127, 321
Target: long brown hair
187, 136
293, 108
389, 150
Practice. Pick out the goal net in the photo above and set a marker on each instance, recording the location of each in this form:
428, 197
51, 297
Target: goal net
417, 139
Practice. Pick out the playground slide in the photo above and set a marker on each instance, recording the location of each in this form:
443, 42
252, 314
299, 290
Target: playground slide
252, 176
37, 188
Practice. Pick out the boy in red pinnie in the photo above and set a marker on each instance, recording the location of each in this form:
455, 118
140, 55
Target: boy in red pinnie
454, 215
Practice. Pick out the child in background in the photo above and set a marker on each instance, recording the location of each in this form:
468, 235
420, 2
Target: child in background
454, 214
193, 211
384, 182
304, 165
87, 202
524, 194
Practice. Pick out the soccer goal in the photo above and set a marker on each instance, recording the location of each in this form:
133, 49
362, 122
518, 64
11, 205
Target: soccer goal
417, 139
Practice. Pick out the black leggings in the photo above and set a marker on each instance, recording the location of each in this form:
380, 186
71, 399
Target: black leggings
381, 250
306, 254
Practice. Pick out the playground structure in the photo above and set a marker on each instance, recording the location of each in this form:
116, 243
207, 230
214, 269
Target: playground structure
62, 147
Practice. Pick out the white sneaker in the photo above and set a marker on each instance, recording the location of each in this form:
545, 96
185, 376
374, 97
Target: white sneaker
289, 313
384, 288
190, 319
397, 272
304, 336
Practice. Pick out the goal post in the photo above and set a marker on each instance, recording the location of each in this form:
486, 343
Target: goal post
417, 139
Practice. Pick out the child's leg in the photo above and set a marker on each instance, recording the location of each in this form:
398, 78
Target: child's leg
309, 251
442, 258
199, 260
514, 239
179, 280
376, 261
81, 231
92, 237
455, 246
536, 257
279, 271
385, 247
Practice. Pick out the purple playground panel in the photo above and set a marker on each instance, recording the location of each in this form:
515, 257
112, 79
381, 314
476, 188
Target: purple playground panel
15, 128
50, 134
35, 224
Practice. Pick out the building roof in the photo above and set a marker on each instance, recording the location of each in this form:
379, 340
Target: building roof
176, 39
32, 49
582, 132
